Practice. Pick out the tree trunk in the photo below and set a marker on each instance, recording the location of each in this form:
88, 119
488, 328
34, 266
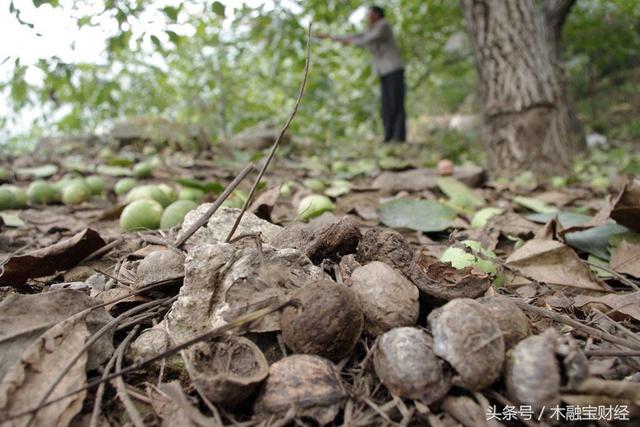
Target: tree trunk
527, 122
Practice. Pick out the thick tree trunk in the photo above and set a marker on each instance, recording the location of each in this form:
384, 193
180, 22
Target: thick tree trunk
527, 124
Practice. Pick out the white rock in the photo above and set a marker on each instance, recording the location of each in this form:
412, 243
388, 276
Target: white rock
222, 221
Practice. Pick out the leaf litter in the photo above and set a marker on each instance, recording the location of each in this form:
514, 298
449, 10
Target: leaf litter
349, 319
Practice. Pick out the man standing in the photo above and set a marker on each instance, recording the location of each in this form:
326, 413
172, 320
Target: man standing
387, 63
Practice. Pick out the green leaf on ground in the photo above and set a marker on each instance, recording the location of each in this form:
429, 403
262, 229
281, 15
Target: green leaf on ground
534, 204
420, 215
207, 187
44, 171
459, 194
113, 170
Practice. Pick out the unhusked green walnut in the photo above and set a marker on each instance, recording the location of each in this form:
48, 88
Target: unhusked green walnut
96, 184
20, 196
466, 336
75, 193
140, 215
227, 371
124, 185
143, 170
313, 206
311, 384
387, 246
41, 193
533, 372
189, 193
328, 321
148, 192
7, 199
510, 318
389, 300
174, 213
406, 364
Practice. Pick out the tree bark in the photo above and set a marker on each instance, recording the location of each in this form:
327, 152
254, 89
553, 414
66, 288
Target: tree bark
527, 122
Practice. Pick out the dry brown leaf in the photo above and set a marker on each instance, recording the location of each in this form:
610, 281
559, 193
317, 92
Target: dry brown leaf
172, 405
626, 304
553, 263
41, 363
23, 318
626, 206
512, 224
626, 259
49, 260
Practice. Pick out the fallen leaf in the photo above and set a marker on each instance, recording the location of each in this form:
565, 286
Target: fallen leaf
44, 171
338, 188
53, 220
459, 194
597, 270
626, 259
419, 215
534, 204
412, 180
363, 204
626, 206
566, 219
113, 170
46, 261
553, 263
512, 224
627, 304
27, 380
172, 405
23, 318
595, 241
10, 219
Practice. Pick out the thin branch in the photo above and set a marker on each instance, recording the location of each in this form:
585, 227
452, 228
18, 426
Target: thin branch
276, 144
95, 337
219, 201
236, 323
95, 414
571, 322
612, 353
121, 388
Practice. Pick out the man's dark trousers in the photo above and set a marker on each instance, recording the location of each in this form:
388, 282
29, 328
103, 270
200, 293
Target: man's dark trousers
393, 114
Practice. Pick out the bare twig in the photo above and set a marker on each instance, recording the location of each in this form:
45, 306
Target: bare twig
237, 322
103, 250
219, 201
95, 414
121, 387
571, 322
612, 353
95, 337
614, 273
276, 144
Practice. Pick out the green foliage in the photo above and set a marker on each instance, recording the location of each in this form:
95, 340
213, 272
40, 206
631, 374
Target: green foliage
226, 78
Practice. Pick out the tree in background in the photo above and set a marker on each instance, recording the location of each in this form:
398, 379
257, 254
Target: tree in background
527, 122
